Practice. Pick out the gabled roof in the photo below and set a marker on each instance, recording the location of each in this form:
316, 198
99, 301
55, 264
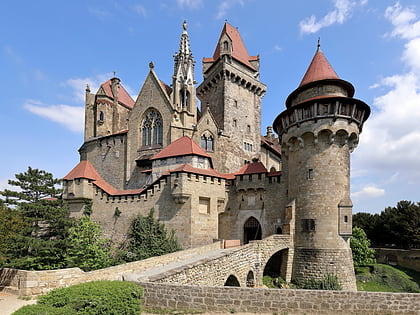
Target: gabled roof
239, 51
86, 170
123, 97
252, 168
319, 69
180, 147
269, 145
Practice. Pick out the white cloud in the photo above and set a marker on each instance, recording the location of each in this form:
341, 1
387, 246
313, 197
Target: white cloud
190, 4
71, 117
277, 48
140, 10
369, 191
225, 5
390, 143
79, 85
342, 11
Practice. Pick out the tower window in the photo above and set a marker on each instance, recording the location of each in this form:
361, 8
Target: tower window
248, 129
308, 225
346, 219
101, 116
235, 123
310, 174
152, 128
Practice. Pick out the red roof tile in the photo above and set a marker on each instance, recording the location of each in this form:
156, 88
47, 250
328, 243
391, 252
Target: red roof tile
252, 168
182, 146
319, 69
87, 171
239, 51
123, 96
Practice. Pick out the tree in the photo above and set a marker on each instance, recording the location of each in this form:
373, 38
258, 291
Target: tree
11, 224
359, 243
148, 238
41, 242
87, 248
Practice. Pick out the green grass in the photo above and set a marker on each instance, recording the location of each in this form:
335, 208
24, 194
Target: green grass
385, 278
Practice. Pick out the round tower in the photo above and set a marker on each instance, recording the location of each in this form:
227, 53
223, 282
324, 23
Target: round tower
319, 129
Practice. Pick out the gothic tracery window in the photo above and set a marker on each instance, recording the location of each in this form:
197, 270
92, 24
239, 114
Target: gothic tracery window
152, 128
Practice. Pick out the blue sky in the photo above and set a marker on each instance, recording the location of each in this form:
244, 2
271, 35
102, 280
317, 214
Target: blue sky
50, 50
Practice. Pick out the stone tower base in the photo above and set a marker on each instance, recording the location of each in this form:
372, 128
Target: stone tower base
310, 263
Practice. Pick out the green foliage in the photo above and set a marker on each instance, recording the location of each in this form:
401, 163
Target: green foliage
277, 283
384, 278
91, 298
41, 240
87, 248
149, 238
11, 223
40, 309
87, 210
34, 185
359, 243
395, 226
329, 282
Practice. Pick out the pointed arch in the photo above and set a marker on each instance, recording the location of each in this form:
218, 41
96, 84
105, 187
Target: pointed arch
252, 230
232, 281
152, 128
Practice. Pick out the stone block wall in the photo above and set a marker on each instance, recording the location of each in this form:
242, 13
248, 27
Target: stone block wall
405, 258
270, 301
30, 283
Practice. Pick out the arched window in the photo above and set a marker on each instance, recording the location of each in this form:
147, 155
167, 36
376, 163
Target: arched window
207, 143
152, 128
101, 116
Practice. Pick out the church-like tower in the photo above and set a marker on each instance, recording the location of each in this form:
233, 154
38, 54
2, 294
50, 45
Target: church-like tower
183, 95
319, 129
231, 90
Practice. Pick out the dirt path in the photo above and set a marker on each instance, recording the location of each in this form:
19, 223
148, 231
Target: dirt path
10, 303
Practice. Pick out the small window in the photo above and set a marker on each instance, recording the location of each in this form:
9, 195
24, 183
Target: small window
204, 205
235, 103
310, 173
308, 225
101, 116
346, 219
235, 123
179, 159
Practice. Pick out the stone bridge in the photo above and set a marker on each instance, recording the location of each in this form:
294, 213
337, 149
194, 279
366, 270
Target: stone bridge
240, 266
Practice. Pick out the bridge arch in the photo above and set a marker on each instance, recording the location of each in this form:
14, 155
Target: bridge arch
276, 265
250, 279
232, 281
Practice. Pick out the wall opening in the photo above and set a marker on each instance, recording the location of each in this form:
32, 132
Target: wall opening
250, 279
277, 264
232, 281
252, 230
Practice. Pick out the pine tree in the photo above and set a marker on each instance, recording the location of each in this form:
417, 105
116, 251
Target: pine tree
42, 241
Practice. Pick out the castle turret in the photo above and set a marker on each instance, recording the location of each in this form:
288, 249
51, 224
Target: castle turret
232, 91
319, 129
183, 83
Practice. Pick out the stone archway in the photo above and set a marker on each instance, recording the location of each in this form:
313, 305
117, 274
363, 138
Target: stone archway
232, 281
252, 230
250, 279
277, 264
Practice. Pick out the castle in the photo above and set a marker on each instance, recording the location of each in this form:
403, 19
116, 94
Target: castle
209, 174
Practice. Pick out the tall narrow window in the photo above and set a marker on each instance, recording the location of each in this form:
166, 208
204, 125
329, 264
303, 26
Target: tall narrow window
152, 128
207, 143
101, 116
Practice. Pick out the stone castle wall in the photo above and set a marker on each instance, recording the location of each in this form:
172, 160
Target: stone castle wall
276, 301
405, 258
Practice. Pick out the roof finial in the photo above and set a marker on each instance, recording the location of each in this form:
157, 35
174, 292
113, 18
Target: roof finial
319, 44
115, 72
151, 65
185, 25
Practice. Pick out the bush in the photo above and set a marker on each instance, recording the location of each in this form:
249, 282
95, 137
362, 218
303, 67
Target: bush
40, 309
329, 282
91, 298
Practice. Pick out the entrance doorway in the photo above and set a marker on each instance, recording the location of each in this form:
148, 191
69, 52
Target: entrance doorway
252, 230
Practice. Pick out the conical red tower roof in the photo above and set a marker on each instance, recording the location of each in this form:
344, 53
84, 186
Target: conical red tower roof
319, 69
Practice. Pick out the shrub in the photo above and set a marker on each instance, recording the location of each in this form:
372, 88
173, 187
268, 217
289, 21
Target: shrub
329, 282
91, 298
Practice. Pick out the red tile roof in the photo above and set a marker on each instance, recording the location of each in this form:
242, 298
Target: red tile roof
239, 51
182, 146
319, 69
252, 168
269, 145
87, 171
123, 96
